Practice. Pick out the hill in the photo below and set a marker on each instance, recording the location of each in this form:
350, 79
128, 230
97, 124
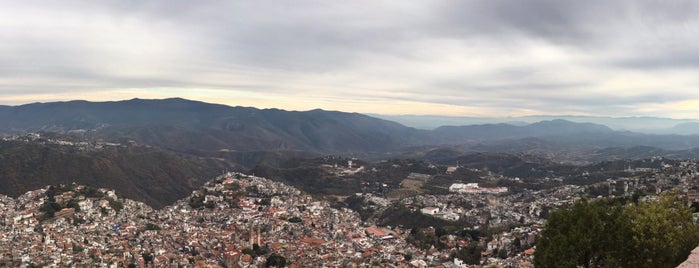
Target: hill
643, 124
553, 128
192, 139
140, 173
181, 125
193, 127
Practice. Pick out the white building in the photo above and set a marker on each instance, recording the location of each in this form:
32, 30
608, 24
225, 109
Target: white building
473, 188
429, 210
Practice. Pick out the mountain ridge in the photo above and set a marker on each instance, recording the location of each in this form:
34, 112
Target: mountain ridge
278, 128
246, 133
642, 124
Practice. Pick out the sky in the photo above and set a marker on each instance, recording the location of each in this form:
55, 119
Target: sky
485, 58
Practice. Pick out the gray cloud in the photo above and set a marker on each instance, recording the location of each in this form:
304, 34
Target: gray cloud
548, 56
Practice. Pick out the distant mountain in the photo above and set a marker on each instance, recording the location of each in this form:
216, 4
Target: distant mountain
592, 149
187, 141
249, 136
74, 115
644, 124
182, 125
457, 134
691, 128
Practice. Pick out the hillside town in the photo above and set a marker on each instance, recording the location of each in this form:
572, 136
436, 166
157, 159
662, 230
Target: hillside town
238, 220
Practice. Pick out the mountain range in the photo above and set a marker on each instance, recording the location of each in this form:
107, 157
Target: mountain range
169, 147
184, 125
247, 135
642, 124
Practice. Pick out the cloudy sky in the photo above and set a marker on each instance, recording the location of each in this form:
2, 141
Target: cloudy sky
463, 58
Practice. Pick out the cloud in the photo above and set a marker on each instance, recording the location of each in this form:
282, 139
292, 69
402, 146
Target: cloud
456, 57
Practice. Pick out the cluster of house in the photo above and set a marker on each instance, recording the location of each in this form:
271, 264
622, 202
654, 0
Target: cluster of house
238, 220
241, 222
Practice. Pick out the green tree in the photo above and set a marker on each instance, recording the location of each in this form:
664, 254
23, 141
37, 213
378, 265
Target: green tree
249, 251
276, 261
49, 208
659, 233
517, 243
502, 253
147, 257
470, 254
664, 232
73, 203
424, 238
259, 251
565, 241
151, 226
115, 205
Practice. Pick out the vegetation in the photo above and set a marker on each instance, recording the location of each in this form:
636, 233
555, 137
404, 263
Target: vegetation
144, 174
275, 260
357, 204
398, 214
310, 178
621, 233
115, 205
51, 205
255, 251
470, 254
48, 209
197, 201
147, 257
152, 227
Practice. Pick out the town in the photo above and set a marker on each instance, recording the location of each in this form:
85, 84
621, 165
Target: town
239, 220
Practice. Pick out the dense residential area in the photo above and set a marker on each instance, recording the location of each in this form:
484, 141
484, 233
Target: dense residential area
238, 220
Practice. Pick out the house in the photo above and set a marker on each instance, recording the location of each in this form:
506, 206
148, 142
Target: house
376, 232
450, 216
451, 170
429, 210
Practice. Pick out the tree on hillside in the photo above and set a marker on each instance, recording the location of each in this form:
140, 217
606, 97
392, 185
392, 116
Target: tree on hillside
659, 233
470, 254
275, 260
574, 236
664, 232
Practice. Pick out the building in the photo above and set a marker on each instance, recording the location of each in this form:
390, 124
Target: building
429, 210
473, 188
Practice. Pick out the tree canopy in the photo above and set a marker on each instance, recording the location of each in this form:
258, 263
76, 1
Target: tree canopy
658, 233
275, 260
